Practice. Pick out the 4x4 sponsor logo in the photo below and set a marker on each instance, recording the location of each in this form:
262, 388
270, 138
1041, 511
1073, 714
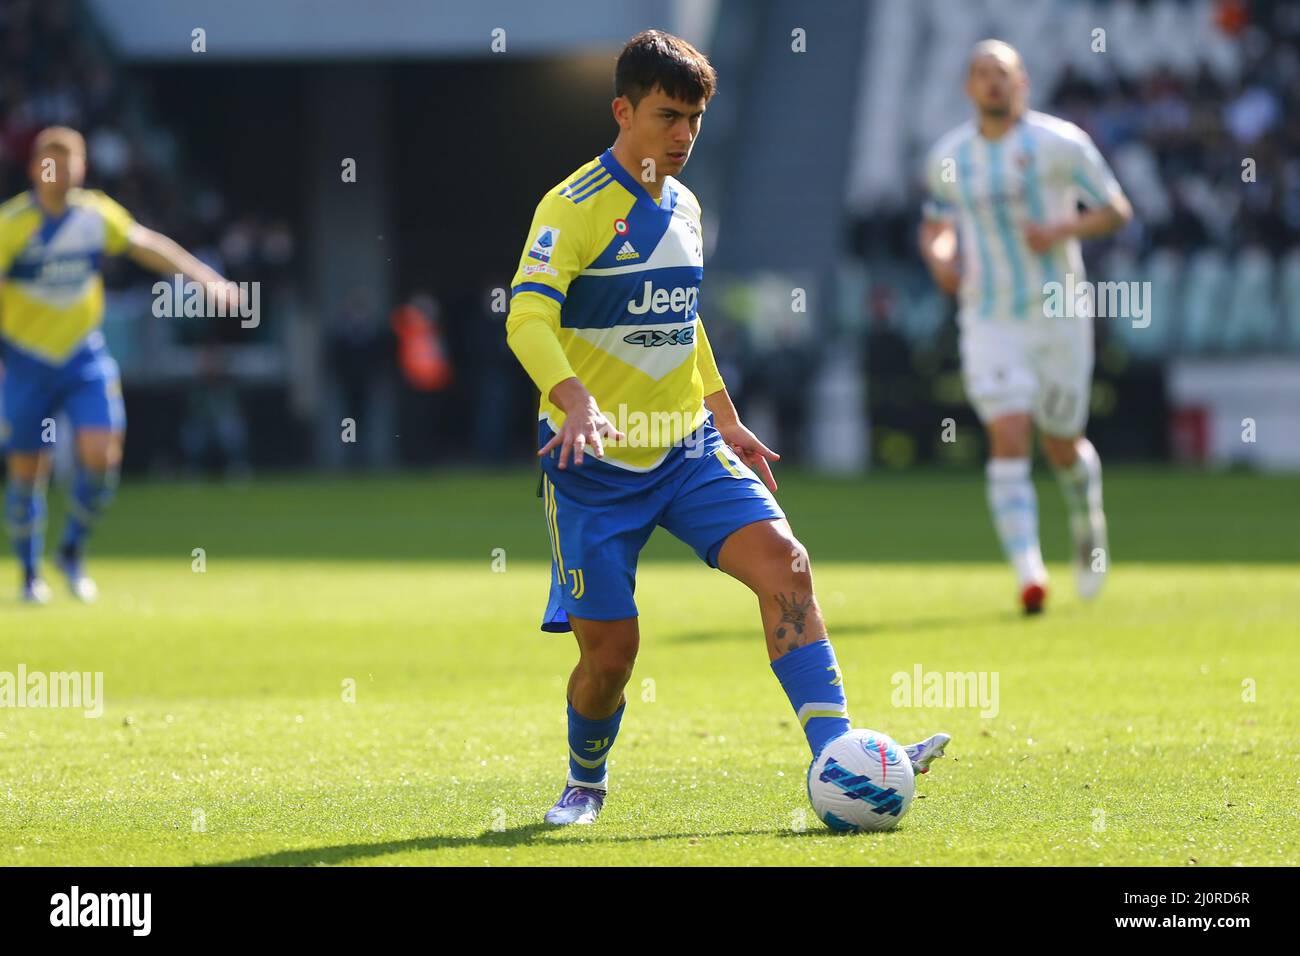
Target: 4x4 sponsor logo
653, 337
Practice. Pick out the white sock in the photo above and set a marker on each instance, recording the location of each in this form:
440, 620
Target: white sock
1081, 484
571, 781
1015, 515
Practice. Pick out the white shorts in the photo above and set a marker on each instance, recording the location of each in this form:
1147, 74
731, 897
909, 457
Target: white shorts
1042, 367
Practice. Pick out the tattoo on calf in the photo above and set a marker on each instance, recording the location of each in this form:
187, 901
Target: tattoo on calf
793, 612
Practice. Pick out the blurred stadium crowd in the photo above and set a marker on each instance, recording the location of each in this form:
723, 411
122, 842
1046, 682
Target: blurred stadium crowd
1195, 102
55, 69
1197, 106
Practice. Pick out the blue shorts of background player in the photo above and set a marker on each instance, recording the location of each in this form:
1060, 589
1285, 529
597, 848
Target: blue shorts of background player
88, 387
600, 516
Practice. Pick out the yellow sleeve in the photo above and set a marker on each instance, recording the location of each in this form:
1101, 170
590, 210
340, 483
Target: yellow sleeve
8, 246
705, 362
117, 222
531, 334
16, 226
558, 248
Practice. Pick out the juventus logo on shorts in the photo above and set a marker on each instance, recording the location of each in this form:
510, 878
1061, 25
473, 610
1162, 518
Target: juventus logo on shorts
579, 583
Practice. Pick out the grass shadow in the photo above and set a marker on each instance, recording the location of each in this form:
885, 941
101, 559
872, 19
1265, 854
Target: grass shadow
858, 629
513, 837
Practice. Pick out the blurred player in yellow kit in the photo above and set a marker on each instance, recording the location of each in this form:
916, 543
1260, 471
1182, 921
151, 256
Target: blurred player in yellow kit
53, 238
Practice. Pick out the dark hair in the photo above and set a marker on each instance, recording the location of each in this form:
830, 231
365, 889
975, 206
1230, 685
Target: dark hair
654, 58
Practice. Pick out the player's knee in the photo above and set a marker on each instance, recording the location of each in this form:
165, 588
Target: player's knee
799, 562
1009, 437
100, 456
1060, 452
95, 462
610, 669
786, 567
28, 468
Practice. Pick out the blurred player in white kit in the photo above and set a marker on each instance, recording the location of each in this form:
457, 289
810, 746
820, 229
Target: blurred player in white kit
1001, 227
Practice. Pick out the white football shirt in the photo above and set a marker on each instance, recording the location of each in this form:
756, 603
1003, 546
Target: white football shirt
1038, 171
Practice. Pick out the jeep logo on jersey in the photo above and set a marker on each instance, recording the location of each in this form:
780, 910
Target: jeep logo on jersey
660, 301
652, 337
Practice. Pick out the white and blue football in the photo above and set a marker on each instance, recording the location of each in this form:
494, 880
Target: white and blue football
861, 780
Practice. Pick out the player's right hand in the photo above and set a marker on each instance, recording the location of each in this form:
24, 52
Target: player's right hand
947, 275
939, 250
584, 427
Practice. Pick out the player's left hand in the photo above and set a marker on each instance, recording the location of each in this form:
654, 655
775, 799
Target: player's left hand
750, 450
1041, 236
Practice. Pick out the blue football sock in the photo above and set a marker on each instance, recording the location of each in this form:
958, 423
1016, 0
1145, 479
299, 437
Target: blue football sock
811, 679
589, 744
92, 492
25, 521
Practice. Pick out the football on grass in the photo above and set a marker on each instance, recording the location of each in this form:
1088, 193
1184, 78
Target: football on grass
861, 780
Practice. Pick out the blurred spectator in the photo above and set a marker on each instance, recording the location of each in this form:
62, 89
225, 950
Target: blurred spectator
427, 373
214, 435
359, 353
497, 389
421, 351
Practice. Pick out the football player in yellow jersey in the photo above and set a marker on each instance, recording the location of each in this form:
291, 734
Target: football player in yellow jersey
636, 429
52, 239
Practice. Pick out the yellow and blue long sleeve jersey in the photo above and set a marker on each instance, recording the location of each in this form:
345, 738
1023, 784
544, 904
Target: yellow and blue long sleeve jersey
607, 290
53, 292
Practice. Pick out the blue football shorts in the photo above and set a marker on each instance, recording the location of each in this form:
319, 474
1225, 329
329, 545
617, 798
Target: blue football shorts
88, 387
600, 516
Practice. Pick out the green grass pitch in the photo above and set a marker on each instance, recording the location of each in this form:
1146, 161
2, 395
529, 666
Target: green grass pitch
1156, 726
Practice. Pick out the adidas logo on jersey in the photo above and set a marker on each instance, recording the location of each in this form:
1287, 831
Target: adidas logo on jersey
626, 251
